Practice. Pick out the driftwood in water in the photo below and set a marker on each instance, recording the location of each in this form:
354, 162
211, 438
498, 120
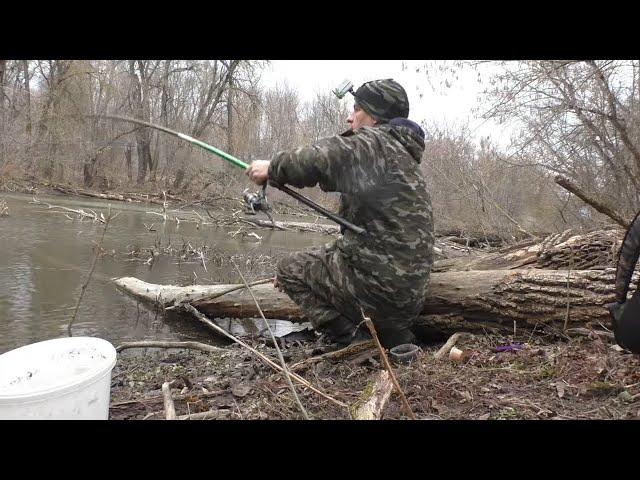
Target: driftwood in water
132, 197
327, 229
490, 300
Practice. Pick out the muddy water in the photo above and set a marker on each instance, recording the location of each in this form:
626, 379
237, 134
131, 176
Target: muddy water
45, 258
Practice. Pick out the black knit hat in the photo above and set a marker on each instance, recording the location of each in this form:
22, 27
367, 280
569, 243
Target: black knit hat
383, 99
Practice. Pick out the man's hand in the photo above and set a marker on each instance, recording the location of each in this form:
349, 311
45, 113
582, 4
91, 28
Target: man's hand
258, 171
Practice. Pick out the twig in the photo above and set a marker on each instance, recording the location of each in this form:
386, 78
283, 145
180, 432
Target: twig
448, 345
387, 365
275, 342
159, 344
210, 415
258, 224
585, 332
344, 352
169, 408
202, 258
214, 393
93, 266
200, 217
269, 362
80, 212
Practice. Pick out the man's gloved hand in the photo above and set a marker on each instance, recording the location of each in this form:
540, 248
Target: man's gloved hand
258, 171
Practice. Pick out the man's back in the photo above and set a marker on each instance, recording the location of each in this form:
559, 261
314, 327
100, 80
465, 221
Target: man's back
394, 208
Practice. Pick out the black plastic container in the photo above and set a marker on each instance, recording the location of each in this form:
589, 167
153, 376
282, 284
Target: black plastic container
405, 353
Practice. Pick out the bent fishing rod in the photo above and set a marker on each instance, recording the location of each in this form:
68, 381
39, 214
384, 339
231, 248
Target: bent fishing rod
239, 163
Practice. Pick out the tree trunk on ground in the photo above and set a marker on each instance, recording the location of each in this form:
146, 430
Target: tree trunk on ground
489, 300
566, 250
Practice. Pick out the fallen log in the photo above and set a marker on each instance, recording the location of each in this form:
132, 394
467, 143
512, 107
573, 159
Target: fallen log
473, 301
567, 250
373, 400
581, 251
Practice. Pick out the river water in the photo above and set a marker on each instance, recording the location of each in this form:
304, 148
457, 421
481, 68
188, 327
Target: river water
45, 258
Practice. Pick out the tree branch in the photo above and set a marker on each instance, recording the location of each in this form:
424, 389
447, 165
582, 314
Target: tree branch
598, 205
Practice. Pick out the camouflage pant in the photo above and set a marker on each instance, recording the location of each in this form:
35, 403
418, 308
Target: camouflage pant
325, 287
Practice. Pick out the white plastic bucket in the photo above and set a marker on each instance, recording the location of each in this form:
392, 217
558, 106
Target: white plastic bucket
61, 379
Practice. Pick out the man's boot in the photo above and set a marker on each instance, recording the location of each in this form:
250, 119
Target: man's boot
343, 332
392, 337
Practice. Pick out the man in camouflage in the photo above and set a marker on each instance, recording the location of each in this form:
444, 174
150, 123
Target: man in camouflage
375, 166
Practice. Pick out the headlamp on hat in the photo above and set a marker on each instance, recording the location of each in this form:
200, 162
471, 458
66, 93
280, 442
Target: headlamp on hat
341, 90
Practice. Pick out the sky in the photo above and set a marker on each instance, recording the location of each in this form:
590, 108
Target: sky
429, 100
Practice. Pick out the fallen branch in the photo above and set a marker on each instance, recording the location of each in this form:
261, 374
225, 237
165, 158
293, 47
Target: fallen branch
157, 398
448, 345
93, 215
159, 344
585, 332
336, 355
298, 226
598, 205
387, 365
169, 408
374, 398
209, 415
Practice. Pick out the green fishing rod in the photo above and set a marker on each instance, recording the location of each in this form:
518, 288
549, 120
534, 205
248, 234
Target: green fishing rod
239, 163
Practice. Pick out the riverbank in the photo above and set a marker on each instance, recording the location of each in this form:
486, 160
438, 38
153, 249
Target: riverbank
148, 194
539, 378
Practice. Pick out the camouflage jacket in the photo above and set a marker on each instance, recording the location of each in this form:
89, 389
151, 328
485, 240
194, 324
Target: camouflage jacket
377, 171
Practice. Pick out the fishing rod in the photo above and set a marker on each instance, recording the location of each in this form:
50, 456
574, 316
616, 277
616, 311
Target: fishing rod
239, 163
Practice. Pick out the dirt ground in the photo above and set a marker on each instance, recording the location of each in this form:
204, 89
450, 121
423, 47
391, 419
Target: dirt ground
542, 378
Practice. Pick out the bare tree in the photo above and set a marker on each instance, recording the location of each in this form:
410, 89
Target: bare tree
27, 90
140, 72
580, 120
